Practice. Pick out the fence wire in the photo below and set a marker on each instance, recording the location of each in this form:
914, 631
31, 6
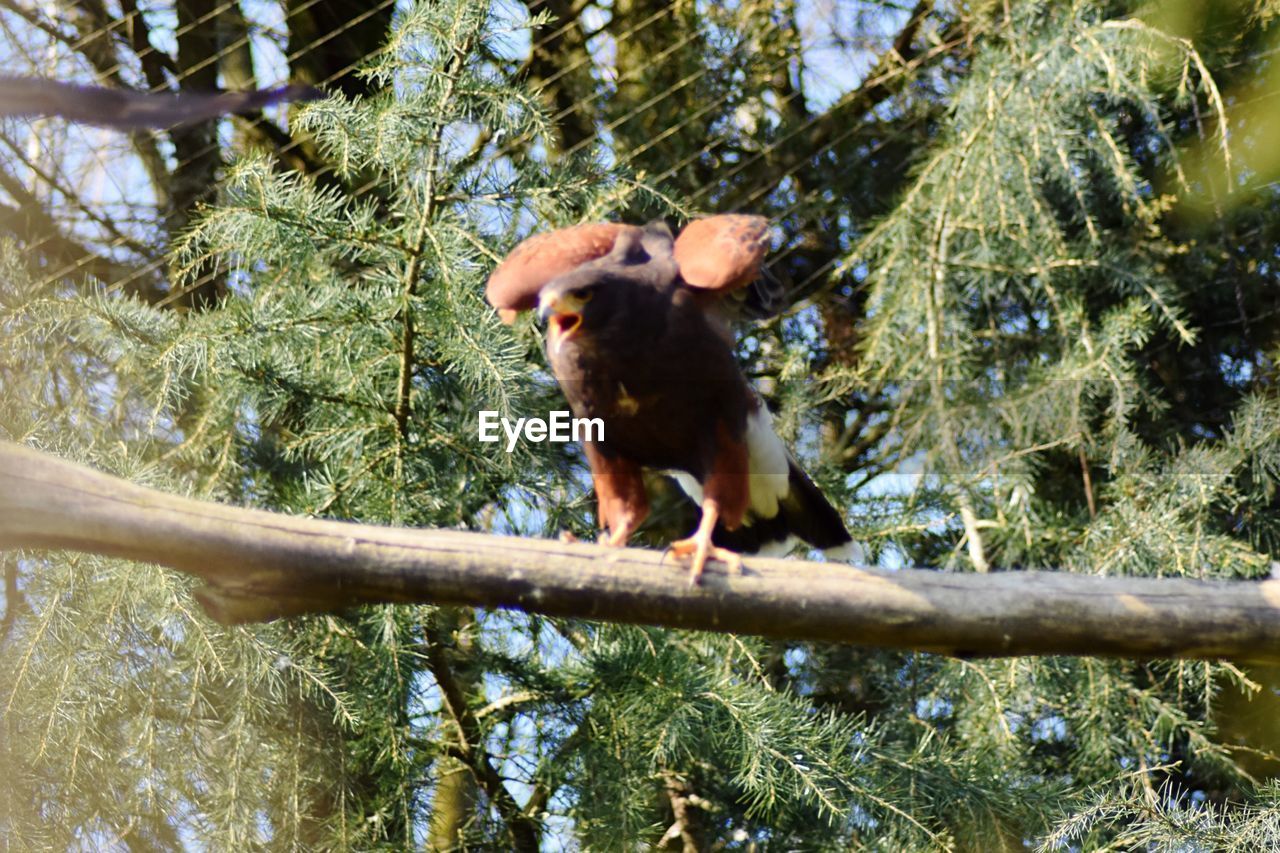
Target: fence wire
82, 188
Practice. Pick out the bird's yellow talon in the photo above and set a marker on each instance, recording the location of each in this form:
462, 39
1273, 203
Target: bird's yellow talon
689, 548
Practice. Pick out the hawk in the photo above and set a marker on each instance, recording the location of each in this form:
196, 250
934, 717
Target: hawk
638, 336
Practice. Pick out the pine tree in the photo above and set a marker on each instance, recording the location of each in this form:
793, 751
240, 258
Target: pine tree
1031, 328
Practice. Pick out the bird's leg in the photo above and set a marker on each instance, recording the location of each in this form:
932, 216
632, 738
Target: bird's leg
618, 536
699, 549
622, 503
621, 515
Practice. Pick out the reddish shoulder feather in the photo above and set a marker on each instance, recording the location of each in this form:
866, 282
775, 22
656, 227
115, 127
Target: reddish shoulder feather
514, 285
722, 252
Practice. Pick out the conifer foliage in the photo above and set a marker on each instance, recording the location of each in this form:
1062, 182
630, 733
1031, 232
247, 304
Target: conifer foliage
1031, 325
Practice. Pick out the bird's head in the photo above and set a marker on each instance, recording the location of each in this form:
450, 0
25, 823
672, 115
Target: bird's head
590, 299
578, 302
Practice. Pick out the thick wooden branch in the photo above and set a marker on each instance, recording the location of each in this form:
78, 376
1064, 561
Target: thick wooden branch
259, 565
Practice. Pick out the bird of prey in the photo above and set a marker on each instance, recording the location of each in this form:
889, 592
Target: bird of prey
128, 110
638, 336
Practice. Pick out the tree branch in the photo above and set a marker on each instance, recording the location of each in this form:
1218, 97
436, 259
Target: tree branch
522, 828
35, 227
892, 71
259, 565
679, 798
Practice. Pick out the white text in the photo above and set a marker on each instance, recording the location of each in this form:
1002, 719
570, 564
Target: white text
559, 426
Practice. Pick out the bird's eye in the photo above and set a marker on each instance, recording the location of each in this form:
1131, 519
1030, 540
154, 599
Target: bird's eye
581, 294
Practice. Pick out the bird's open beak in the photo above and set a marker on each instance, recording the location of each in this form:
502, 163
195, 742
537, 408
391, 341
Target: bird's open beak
564, 304
563, 314
550, 305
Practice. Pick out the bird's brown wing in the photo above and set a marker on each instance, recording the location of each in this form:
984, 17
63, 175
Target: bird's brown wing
514, 285
722, 253
129, 110
715, 255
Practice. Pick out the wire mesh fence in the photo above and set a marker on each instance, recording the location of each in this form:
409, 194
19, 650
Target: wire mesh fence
92, 204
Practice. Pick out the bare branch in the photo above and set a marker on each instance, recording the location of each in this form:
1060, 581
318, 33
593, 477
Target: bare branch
679, 798
894, 69
126, 109
14, 601
259, 565
37, 228
522, 828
